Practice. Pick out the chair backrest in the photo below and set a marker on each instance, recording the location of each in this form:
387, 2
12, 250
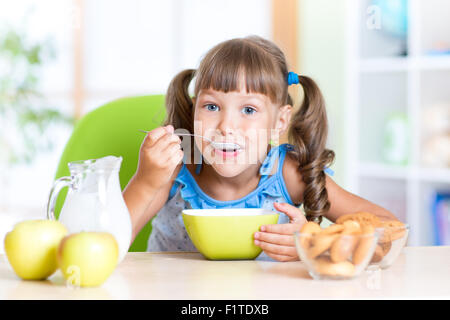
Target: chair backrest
112, 129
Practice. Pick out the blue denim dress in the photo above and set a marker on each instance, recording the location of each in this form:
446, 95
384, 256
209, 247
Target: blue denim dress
169, 233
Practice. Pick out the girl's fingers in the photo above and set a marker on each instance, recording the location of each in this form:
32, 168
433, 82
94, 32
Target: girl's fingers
286, 228
154, 136
276, 249
284, 240
294, 213
169, 128
174, 158
164, 142
280, 257
172, 150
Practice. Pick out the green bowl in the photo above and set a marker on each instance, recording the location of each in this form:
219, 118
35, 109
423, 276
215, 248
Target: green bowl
226, 234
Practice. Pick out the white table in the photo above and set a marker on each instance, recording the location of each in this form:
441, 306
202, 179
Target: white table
419, 272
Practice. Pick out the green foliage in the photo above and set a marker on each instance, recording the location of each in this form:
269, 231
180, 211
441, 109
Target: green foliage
24, 112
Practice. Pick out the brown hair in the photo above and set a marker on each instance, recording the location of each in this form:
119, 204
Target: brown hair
265, 69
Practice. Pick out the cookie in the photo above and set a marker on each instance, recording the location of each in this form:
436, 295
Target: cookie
363, 218
324, 266
392, 230
378, 254
321, 243
334, 228
342, 247
351, 227
310, 228
364, 245
386, 246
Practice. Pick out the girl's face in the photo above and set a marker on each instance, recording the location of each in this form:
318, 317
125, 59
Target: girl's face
249, 120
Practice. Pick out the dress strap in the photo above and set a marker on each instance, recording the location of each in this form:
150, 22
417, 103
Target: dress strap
267, 166
198, 167
269, 161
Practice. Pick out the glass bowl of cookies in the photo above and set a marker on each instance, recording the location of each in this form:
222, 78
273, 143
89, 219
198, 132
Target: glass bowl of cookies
341, 251
392, 236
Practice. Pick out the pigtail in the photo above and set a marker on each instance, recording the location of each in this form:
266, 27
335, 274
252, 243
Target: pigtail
179, 105
308, 133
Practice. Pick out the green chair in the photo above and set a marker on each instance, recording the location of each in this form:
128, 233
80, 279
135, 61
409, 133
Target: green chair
112, 129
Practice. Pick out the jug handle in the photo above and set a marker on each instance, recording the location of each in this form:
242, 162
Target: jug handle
57, 186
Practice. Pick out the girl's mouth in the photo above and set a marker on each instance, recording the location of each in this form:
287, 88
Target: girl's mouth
227, 152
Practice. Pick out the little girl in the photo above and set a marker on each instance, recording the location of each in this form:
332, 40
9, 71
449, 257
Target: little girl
240, 97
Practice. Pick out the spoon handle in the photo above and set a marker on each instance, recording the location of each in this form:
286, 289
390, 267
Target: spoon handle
192, 134
183, 134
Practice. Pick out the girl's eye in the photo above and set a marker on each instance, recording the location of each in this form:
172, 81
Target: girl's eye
211, 107
248, 110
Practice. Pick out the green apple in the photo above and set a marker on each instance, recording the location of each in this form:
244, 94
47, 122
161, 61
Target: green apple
31, 248
87, 259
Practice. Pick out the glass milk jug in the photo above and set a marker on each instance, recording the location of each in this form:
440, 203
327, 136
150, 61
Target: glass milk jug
94, 201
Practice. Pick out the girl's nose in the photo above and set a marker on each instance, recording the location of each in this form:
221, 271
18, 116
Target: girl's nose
227, 125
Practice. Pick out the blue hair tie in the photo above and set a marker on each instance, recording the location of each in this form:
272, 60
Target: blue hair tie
292, 78
329, 171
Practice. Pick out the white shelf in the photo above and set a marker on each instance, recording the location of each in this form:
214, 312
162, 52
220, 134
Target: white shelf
439, 62
390, 64
398, 64
435, 175
379, 85
383, 171
386, 171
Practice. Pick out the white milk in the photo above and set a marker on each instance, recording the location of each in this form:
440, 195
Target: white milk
98, 205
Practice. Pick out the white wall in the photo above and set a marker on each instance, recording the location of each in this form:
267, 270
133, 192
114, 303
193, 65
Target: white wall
131, 47
322, 57
136, 47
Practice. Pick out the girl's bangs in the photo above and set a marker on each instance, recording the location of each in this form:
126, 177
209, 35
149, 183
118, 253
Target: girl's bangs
227, 69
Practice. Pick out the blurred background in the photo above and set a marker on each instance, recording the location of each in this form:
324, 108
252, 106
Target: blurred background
383, 67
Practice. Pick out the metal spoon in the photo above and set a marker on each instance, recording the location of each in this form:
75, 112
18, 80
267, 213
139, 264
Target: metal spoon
216, 145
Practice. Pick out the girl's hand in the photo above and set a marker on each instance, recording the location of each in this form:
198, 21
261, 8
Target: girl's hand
159, 155
277, 240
